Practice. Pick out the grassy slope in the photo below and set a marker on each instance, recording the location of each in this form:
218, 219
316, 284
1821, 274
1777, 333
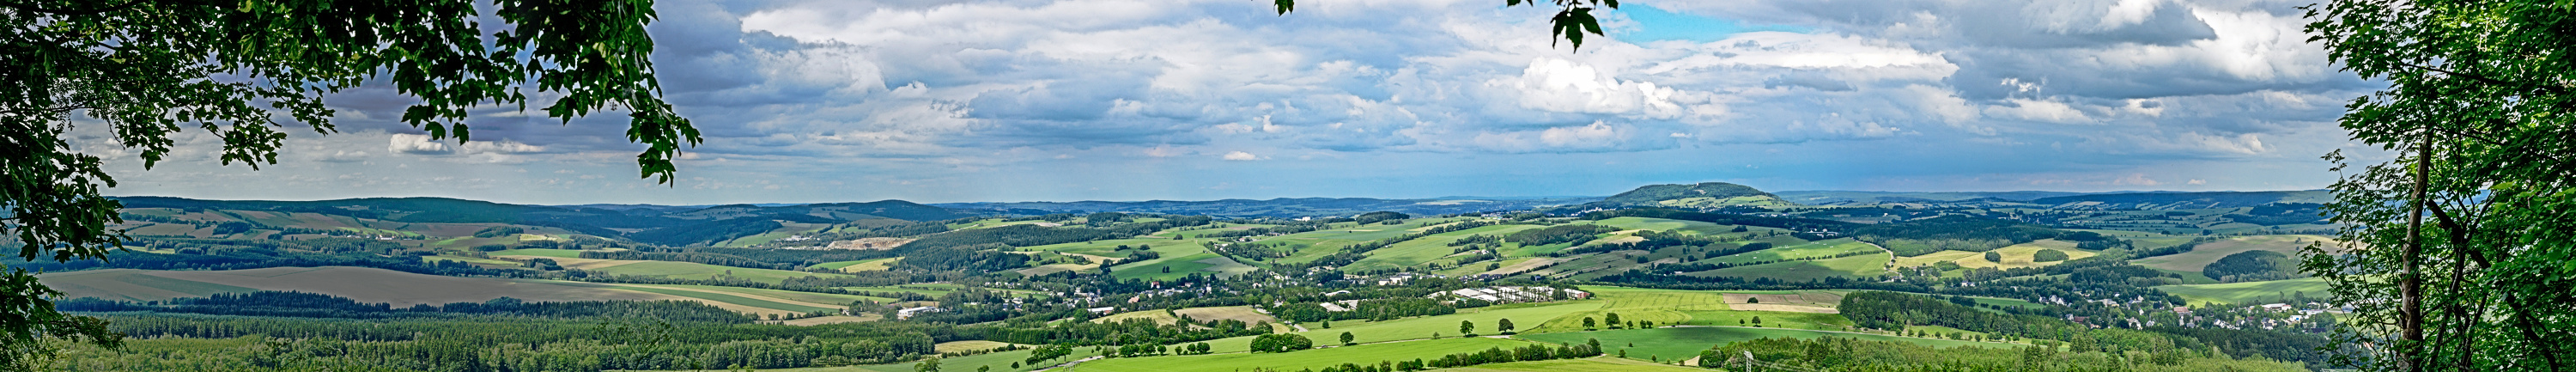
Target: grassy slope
1862, 266
2019, 255
1686, 342
1319, 358
1596, 364
1422, 327
2200, 256
2247, 292
1426, 249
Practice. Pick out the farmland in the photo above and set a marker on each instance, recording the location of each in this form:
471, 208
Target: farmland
2249, 292
1685, 342
1318, 358
2200, 256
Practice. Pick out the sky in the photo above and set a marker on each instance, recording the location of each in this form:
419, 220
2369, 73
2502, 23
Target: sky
1063, 100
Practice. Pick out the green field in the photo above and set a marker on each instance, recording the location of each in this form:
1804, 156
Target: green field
1179, 260
1820, 248
1862, 266
1594, 364
2200, 256
1426, 249
1524, 316
1296, 360
1685, 342
2248, 292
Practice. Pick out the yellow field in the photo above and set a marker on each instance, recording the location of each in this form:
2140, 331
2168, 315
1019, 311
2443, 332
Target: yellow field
1156, 315
1929, 258
2019, 255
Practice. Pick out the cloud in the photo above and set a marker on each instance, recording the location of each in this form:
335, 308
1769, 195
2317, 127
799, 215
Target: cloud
949, 98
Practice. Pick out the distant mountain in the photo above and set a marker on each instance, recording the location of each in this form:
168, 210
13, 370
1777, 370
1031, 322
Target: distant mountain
1701, 196
895, 209
2184, 200
1828, 197
1281, 207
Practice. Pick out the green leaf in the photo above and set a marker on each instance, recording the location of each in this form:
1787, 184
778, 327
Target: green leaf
1286, 6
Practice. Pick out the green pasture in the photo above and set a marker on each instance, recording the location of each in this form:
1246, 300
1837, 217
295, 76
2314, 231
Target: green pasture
1305, 359
2248, 292
1685, 342
1862, 266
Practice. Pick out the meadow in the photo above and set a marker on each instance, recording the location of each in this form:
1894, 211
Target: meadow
1296, 360
2200, 256
2248, 292
1673, 343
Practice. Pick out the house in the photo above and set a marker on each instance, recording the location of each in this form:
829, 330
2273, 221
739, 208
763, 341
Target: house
1102, 310
907, 313
2277, 307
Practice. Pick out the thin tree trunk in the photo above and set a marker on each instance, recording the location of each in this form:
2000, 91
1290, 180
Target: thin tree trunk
2410, 311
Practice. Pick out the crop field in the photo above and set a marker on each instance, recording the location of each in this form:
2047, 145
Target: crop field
1947, 255
556, 253
1239, 313
2248, 292
1156, 315
1295, 360
1685, 342
880, 264
1862, 266
1642, 223
1594, 364
1820, 248
2200, 256
1426, 249
2019, 255
1523, 316
1109, 248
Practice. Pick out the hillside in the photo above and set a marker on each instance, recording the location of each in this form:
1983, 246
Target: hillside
2183, 200
1281, 207
1701, 195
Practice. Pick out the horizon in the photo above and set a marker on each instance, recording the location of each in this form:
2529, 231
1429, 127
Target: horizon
1442, 197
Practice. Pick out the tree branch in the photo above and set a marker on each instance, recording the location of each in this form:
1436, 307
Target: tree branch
2550, 88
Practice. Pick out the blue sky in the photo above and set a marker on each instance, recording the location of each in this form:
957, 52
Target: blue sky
820, 101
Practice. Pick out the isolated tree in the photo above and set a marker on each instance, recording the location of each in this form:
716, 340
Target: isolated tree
1612, 318
1587, 323
242, 70
2465, 236
1503, 325
1347, 337
1995, 257
1467, 327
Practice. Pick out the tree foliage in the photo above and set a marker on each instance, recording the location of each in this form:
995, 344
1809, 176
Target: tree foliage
2468, 232
147, 69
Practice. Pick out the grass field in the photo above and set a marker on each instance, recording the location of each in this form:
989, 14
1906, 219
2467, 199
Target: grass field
1415, 252
2019, 255
996, 361
2248, 292
1862, 266
1296, 360
1669, 307
1929, 258
1820, 248
1239, 313
1524, 316
1685, 342
971, 345
1594, 364
2200, 256
1156, 315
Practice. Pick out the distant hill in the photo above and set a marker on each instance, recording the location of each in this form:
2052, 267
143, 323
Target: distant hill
2184, 200
1701, 196
1828, 197
1282, 207
444, 218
